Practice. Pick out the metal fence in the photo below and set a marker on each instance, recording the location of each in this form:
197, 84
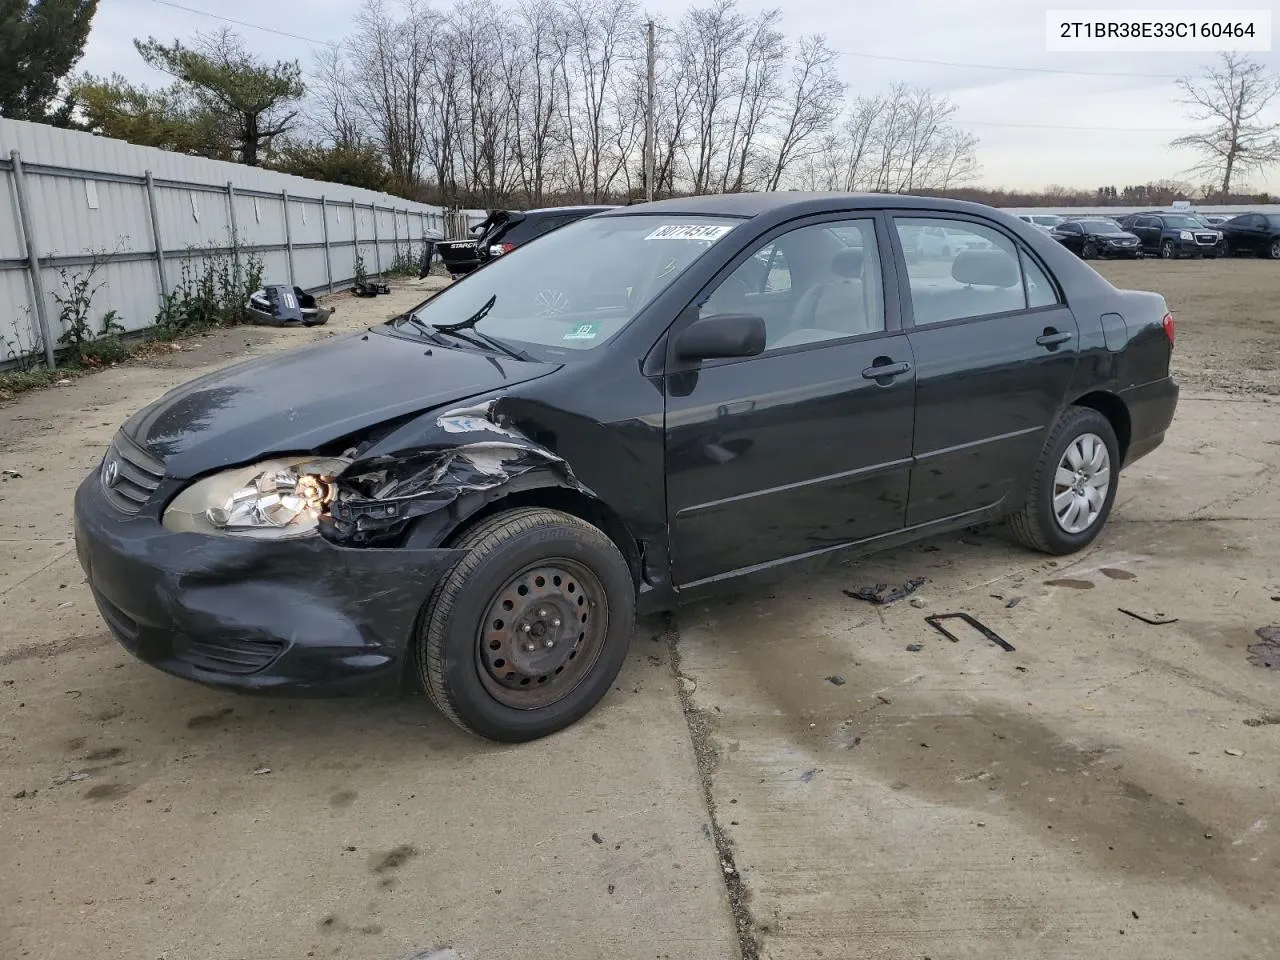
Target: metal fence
71, 202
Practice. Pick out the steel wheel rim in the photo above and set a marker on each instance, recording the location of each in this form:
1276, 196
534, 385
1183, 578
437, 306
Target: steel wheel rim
551, 302
1081, 483
542, 634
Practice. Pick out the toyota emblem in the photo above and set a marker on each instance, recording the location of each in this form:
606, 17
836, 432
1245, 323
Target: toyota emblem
111, 473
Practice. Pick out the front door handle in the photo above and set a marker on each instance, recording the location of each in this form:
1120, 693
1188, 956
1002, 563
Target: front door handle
885, 369
1052, 337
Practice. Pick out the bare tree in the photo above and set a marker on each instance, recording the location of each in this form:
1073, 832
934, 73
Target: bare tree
1232, 97
391, 65
757, 93
812, 103
712, 42
334, 112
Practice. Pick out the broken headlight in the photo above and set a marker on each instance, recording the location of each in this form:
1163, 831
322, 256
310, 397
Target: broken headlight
272, 500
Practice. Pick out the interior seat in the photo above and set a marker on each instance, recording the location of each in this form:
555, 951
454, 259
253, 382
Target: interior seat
833, 309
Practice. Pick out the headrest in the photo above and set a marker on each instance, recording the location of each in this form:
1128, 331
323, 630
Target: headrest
848, 264
986, 268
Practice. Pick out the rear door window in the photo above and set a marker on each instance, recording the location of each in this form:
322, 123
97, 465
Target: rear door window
979, 273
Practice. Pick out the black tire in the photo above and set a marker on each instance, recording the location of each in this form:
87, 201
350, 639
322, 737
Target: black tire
1088, 251
1275, 249
1035, 525
1167, 250
501, 549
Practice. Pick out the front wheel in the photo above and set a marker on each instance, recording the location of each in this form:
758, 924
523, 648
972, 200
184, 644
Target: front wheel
1275, 249
1088, 251
1073, 486
1167, 251
526, 633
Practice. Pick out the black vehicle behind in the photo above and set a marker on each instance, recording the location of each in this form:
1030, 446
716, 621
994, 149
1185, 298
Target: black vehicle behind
1090, 238
504, 230
1174, 235
1255, 233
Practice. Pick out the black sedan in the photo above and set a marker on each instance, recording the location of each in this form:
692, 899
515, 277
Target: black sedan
479, 495
1255, 233
1100, 237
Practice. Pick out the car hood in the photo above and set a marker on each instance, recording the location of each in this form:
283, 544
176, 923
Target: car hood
302, 399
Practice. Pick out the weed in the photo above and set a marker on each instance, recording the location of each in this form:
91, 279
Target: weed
86, 346
210, 293
406, 262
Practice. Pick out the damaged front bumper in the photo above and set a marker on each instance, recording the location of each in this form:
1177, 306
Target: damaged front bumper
300, 616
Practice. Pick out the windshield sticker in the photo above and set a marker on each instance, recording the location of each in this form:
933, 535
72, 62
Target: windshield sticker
689, 231
583, 331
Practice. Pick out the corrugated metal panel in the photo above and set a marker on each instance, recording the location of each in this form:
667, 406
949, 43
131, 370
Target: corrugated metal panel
11, 246
88, 195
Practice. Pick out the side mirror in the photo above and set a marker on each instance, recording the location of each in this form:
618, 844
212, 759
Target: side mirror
722, 335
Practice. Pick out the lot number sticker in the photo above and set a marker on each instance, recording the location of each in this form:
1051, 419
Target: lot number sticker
689, 231
583, 331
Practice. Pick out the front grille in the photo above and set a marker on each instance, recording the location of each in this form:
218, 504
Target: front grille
1206, 239
129, 475
227, 655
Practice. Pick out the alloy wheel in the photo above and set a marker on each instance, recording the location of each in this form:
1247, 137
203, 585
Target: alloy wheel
1081, 482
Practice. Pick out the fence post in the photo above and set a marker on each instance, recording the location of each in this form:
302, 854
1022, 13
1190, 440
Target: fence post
288, 236
235, 232
355, 234
395, 236
33, 257
328, 260
377, 248
161, 272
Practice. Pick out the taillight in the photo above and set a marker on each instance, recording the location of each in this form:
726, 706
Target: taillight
498, 249
1169, 331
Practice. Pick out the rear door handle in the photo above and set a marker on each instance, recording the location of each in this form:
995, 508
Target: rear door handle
886, 370
1051, 337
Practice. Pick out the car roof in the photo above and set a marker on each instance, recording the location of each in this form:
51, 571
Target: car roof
579, 208
795, 203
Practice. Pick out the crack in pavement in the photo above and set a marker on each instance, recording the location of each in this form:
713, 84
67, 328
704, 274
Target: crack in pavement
706, 758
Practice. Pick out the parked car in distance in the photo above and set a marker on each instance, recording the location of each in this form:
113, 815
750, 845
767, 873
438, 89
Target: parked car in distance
504, 230
1045, 221
1173, 235
1256, 233
1215, 219
1096, 237
480, 497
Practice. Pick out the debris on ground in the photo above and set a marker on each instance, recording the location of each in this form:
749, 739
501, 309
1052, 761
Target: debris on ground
1267, 653
1156, 619
74, 776
914, 647
918, 602
836, 680
279, 305
7, 474
936, 619
20, 795
1073, 584
1012, 602
1266, 720
1234, 753
370, 288
883, 593
597, 838
261, 770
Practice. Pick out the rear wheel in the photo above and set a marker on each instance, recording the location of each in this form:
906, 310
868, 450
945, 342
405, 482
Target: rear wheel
529, 629
1073, 486
1167, 250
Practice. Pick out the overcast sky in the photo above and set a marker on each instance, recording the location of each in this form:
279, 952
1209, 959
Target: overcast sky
1035, 127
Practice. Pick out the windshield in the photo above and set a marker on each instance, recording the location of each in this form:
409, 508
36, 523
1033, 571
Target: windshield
1100, 226
576, 288
1182, 223
1047, 221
